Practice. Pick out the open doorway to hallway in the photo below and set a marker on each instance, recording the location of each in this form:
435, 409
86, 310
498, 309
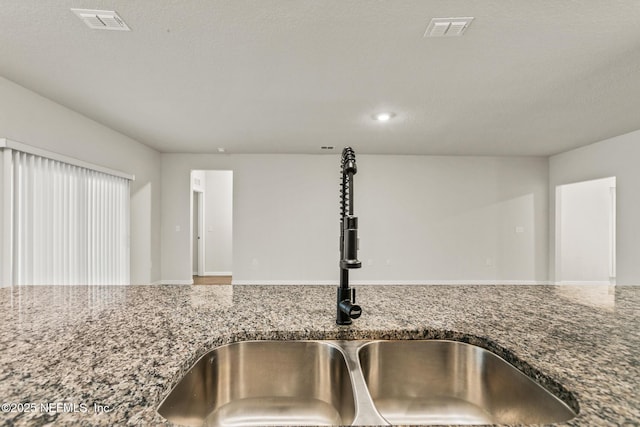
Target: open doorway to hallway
586, 232
211, 226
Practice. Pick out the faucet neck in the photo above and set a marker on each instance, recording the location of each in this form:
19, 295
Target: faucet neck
346, 307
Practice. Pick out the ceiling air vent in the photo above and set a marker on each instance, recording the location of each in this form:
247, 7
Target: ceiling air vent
101, 19
447, 27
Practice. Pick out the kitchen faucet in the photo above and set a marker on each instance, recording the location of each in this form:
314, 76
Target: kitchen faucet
346, 305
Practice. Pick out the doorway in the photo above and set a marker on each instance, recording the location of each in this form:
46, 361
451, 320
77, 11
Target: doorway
586, 232
211, 226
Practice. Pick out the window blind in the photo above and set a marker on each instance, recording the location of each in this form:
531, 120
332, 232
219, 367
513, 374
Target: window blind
70, 224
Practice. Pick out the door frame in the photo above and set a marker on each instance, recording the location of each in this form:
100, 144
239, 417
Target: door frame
612, 262
200, 228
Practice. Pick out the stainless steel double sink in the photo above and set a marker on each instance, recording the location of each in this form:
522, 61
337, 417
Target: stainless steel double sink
303, 383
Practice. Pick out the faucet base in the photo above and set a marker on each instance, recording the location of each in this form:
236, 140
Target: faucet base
346, 306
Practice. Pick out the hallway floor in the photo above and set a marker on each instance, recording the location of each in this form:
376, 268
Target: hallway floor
211, 280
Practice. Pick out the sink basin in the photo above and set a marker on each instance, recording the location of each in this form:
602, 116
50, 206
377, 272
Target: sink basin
447, 382
265, 383
368, 383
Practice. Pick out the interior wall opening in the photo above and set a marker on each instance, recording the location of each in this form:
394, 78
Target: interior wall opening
586, 232
211, 227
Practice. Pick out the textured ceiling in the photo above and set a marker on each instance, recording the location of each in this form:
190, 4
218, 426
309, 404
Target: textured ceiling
288, 76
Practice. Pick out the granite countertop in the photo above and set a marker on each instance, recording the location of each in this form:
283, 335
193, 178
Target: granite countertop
111, 353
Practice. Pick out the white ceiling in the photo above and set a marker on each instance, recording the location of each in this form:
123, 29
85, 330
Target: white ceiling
529, 77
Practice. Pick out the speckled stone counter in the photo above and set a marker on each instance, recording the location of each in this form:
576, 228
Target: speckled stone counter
112, 353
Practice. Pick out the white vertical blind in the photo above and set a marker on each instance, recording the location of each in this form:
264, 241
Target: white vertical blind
70, 224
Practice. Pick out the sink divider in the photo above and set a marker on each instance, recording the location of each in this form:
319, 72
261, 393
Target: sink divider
366, 412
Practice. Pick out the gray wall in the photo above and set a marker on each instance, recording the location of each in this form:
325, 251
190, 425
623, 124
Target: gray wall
423, 219
32, 119
2, 220
612, 157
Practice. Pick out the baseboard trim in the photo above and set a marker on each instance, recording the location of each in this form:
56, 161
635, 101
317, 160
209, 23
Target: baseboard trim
283, 282
392, 282
214, 273
375, 282
451, 282
217, 273
584, 282
176, 282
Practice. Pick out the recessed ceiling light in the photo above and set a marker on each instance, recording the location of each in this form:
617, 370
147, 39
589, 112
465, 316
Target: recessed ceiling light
221, 150
383, 117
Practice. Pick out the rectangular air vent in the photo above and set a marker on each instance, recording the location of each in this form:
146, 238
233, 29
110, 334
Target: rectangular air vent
447, 27
101, 19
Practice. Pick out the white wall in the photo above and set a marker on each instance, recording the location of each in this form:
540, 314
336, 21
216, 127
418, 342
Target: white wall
32, 119
452, 218
219, 222
2, 255
422, 218
612, 157
584, 245
194, 233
